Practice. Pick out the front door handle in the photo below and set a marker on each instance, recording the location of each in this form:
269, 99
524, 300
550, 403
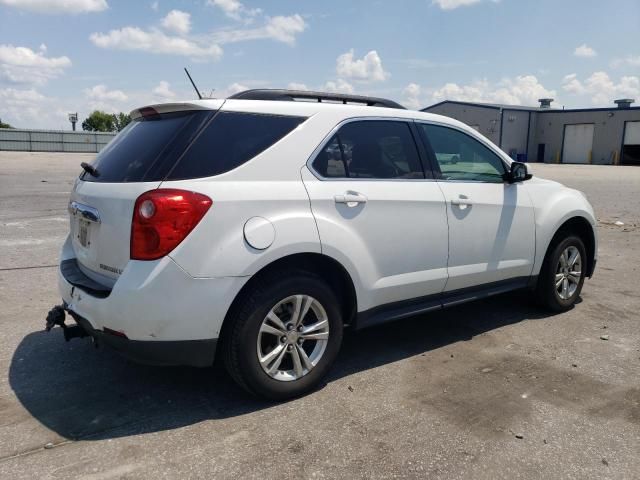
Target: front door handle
462, 200
351, 199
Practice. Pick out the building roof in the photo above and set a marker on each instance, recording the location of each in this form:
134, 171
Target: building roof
503, 106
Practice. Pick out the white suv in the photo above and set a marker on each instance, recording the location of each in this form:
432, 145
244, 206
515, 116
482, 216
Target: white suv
259, 226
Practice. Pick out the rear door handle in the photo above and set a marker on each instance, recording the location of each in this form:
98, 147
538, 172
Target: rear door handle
351, 199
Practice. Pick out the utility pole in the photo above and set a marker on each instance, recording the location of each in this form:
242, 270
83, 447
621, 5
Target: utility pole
73, 118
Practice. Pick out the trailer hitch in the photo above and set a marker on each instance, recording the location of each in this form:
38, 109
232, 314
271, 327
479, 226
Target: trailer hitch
56, 316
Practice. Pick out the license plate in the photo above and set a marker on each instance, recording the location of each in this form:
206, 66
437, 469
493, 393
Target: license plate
84, 228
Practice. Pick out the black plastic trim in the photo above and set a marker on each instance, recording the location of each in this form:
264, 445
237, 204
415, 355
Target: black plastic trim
76, 277
593, 267
407, 308
194, 353
292, 95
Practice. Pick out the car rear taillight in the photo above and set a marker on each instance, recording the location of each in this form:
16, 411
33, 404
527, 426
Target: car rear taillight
162, 219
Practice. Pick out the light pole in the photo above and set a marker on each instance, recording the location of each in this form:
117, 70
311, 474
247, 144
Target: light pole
73, 118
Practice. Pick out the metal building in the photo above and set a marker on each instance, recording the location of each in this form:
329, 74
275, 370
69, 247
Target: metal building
609, 136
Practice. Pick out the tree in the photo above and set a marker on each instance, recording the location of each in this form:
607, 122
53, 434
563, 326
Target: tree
4, 125
121, 120
99, 121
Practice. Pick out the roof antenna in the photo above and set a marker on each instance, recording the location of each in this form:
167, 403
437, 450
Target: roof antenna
192, 83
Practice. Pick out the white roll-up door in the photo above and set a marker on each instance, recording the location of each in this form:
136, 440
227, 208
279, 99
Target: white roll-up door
632, 133
578, 142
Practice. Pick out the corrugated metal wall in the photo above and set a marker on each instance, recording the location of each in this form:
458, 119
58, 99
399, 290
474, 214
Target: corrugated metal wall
52, 140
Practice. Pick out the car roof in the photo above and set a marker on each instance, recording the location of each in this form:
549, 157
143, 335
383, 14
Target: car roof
299, 108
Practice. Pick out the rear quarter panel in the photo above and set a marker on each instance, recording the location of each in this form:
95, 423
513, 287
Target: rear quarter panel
267, 186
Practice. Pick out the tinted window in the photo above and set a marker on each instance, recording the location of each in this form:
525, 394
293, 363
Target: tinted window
461, 157
147, 148
230, 140
329, 161
371, 149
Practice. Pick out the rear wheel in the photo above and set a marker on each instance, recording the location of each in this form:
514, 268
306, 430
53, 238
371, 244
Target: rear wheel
562, 274
284, 336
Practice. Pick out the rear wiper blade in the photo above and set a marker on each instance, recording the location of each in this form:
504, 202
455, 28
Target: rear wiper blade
90, 169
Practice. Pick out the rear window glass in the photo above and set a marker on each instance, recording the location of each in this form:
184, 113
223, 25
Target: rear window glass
147, 148
230, 140
186, 145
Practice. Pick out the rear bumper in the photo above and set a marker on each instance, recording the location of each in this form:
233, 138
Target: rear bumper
154, 304
195, 353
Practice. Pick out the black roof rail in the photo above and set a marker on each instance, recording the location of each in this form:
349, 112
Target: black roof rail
293, 95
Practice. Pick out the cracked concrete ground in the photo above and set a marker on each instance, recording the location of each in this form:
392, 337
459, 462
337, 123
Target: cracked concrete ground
444, 395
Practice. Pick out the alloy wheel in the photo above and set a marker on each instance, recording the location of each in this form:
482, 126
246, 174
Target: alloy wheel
568, 272
293, 337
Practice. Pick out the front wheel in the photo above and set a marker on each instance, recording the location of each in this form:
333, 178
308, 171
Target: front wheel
284, 336
562, 274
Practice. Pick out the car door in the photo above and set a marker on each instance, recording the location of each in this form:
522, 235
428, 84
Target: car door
491, 222
377, 211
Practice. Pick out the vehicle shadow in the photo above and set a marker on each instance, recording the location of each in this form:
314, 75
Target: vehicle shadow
83, 394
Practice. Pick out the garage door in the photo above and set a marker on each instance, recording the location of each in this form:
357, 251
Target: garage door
631, 147
578, 142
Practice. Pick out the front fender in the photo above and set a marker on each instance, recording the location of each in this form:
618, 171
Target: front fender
554, 205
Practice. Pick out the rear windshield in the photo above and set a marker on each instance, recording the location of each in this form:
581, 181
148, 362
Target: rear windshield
182, 145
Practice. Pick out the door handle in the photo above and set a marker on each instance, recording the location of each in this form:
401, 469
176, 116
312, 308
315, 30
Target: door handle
351, 199
461, 201
85, 211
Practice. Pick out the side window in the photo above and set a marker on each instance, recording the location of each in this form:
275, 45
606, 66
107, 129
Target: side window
461, 157
231, 139
329, 162
371, 149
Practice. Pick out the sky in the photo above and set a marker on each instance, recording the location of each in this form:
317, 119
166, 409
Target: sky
62, 56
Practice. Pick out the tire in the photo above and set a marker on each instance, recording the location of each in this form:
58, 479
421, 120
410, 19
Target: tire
548, 294
244, 340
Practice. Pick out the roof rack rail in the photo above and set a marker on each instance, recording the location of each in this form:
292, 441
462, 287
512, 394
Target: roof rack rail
293, 95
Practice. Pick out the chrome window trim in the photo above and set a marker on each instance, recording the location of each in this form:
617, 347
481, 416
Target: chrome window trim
325, 141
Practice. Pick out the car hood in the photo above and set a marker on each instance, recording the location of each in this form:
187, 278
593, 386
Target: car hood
543, 181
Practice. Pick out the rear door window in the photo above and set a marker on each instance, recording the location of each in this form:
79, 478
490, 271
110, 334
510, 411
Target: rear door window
377, 149
231, 139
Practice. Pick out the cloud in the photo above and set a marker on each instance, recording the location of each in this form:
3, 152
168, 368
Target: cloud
628, 61
571, 84
177, 21
281, 28
452, 4
367, 69
523, 90
235, 9
163, 91
601, 88
584, 51
101, 92
236, 87
338, 86
28, 108
412, 95
297, 86
58, 6
154, 6
23, 65
154, 41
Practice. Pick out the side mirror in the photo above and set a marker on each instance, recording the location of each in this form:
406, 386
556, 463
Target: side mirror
518, 173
